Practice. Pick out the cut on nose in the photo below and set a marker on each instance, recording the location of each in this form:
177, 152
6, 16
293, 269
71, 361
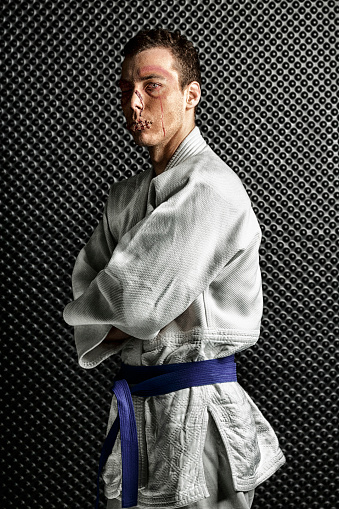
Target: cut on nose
139, 104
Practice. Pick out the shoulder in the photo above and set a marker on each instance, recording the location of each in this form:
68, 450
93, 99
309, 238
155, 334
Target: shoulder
208, 169
221, 186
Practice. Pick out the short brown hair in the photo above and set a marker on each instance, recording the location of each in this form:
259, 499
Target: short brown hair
184, 53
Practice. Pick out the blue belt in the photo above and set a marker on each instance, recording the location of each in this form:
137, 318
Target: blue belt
152, 381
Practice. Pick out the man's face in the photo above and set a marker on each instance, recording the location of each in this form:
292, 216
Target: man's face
151, 98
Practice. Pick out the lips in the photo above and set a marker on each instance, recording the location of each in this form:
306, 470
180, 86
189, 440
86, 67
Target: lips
139, 125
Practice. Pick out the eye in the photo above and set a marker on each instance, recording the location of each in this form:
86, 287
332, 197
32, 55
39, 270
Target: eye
151, 87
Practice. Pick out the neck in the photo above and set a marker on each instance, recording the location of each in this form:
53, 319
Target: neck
161, 154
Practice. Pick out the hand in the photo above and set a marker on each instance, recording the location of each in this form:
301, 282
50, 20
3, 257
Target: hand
115, 336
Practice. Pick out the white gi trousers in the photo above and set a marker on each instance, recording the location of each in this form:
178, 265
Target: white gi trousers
218, 478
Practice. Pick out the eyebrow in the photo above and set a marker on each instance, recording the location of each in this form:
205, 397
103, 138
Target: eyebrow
143, 78
156, 69
152, 76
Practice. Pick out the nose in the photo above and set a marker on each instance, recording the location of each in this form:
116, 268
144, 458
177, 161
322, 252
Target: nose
137, 103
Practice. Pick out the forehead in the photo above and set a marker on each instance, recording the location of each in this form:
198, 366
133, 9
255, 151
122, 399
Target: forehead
157, 62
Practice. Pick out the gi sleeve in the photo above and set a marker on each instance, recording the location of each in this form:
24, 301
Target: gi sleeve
166, 260
93, 258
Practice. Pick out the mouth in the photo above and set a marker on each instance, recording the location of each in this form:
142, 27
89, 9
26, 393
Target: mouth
139, 125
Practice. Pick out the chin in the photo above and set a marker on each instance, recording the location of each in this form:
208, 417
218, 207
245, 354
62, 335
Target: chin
145, 138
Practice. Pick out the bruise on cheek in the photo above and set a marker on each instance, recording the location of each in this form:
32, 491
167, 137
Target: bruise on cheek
141, 100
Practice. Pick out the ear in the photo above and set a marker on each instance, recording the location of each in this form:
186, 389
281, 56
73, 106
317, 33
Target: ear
193, 95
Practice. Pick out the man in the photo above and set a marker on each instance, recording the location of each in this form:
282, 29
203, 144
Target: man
171, 276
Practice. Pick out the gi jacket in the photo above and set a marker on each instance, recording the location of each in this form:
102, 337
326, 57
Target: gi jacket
174, 263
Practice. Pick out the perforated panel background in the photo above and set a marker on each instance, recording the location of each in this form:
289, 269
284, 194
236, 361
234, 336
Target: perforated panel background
270, 109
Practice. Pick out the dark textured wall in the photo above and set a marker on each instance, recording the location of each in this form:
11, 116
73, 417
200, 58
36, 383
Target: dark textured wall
270, 109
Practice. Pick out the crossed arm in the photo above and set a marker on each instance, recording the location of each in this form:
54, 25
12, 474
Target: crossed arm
160, 265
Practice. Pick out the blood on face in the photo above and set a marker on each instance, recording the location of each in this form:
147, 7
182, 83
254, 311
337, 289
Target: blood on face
141, 125
141, 100
162, 116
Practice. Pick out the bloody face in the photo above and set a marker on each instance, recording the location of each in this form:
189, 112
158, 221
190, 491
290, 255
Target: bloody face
151, 98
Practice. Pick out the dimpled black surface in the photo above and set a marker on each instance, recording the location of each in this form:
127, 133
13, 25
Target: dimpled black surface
270, 109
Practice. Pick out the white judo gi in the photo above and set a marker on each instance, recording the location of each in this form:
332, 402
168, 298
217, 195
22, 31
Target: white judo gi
174, 263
